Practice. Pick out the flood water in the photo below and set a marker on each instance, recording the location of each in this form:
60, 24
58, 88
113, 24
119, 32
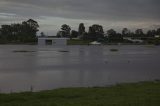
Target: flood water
50, 67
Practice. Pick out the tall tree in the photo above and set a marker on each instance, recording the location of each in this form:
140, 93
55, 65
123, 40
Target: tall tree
33, 24
30, 29
114, 37
81, 29
139, 32
66, 30
96, 32
97, 29
151, 33
24, 32
111, 32
158, 31
125, 32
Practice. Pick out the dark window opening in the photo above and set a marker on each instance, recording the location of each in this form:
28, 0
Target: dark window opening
48, 42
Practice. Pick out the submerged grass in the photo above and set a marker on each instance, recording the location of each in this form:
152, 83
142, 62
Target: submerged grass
78, 42
135, 94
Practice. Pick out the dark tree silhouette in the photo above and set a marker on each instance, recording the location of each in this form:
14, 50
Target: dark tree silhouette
139, 32
42, 34
158, 31
125, 32
96, 32
81, 29
111, 32
113, 36
65, 30
74, 34
19, 33
151, 33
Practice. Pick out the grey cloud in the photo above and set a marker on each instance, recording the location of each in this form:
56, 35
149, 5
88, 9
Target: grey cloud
104, 11
91, 9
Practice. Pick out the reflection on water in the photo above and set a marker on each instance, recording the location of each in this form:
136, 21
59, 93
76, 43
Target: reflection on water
81, 66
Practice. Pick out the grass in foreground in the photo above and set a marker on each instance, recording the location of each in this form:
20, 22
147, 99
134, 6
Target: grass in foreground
136, 94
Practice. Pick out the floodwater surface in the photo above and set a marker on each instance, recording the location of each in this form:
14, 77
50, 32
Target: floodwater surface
25, 67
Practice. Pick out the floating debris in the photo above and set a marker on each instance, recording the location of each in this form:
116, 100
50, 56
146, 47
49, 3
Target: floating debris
63, 51
106, 62
157, 80
114, 50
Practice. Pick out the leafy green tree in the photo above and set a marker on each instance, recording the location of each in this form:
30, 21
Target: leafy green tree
97, 29
65, 30
30, 26
33, 24
96, 32
24, 32
29, 30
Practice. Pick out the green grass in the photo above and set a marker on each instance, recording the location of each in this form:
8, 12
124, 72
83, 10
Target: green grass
135, 94
78, 42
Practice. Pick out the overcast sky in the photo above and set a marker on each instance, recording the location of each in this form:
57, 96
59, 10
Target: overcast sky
51, 14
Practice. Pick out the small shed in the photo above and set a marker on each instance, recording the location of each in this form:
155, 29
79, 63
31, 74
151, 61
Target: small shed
52, 41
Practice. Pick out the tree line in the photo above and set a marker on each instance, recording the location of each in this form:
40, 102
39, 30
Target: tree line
24, 32
96, 33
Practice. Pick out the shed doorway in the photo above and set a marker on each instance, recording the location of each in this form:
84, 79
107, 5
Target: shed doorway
48, 42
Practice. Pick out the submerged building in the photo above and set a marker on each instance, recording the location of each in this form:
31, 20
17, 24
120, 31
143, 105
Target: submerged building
52, 41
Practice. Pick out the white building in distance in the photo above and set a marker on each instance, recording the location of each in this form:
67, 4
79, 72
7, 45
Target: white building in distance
52, 41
